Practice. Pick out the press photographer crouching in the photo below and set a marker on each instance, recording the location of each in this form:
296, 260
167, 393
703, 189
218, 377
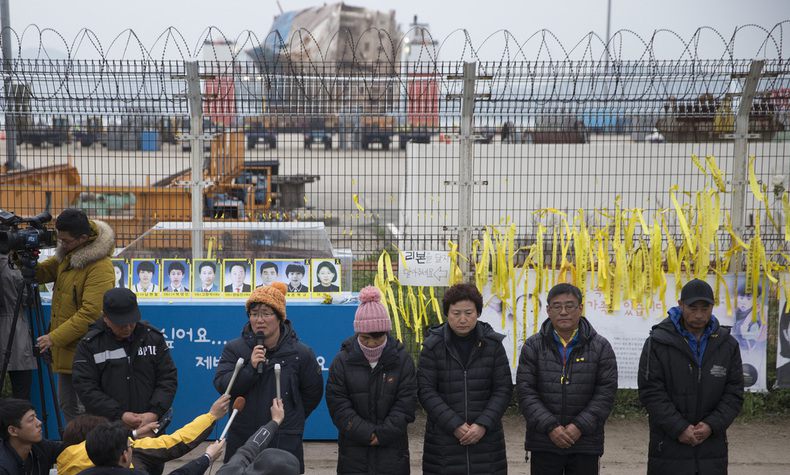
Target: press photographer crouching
82, 272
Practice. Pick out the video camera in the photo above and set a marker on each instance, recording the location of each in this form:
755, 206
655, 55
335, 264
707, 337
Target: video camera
32, 238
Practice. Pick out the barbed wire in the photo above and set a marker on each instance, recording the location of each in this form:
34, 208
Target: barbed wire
503, 45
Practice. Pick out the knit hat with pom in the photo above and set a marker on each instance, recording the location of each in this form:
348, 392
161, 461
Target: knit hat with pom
272, 295
371, 316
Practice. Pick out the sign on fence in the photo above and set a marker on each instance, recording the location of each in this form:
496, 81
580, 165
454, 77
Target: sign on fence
425, 268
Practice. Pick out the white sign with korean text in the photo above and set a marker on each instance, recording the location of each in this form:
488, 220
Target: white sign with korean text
424, 268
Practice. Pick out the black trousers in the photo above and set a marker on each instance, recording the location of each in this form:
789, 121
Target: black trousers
548, 463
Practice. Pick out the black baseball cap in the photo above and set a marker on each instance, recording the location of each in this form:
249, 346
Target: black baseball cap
696, 290
120, 306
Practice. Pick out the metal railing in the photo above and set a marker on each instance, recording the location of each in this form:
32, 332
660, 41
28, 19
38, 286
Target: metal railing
389, 153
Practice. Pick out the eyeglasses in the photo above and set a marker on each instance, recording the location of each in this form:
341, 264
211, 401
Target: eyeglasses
262, 314
569, 307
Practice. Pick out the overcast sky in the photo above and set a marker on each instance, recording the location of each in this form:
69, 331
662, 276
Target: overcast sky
570, 20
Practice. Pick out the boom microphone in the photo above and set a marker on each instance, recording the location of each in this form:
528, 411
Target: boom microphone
238, 406
239, 364
259, 342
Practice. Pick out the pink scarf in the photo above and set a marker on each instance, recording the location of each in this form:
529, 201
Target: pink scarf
372, 354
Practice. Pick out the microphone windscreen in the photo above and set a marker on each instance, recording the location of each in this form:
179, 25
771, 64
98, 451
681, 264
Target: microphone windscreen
238, 404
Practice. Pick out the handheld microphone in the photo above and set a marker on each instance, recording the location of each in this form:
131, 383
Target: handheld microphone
277, 368
259, 342
238, 406
239, 364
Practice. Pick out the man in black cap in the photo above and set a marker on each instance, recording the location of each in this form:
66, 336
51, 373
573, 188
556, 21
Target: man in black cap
123, 368
691, 383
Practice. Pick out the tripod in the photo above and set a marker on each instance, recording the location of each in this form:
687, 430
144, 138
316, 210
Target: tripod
29, 296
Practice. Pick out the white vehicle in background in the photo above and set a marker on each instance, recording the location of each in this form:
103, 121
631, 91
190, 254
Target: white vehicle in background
655, 137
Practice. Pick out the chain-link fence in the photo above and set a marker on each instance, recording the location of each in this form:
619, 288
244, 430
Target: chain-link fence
378, 151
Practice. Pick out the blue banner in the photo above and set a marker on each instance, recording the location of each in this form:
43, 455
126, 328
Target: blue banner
197, 330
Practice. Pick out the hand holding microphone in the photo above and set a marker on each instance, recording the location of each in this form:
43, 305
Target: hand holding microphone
258, 353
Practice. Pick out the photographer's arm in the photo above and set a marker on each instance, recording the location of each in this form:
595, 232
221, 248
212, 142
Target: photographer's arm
47, 270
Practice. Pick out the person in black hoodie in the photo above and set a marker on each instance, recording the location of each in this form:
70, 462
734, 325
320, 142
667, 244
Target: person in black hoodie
465, 386
23, 451
691, 384
371, 394
268, 339
566, 382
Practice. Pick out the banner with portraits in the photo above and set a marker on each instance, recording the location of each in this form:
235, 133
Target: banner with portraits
628, 327
226, 278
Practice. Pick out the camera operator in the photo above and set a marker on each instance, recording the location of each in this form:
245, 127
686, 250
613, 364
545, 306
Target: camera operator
82, 272
22, 361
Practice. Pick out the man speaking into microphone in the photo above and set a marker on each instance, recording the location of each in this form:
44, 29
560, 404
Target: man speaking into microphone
268, 339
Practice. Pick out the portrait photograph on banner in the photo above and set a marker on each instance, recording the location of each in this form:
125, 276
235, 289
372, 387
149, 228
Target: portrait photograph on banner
783, 345
206, 278
325, 276
121, 269
236, 277
146, 277
296, 273
175, 277
748, 315
267, 271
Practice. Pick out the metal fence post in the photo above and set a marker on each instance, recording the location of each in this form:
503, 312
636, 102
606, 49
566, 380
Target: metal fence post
741, 152
466, 168
10, 106
195, 99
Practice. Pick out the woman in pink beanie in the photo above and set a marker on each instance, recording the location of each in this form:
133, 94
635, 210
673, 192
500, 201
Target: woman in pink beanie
372, 393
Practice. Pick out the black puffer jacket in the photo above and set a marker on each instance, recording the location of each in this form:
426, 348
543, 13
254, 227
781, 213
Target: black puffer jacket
112, 377
363, 401
585, 399
677, 392
453, 394
301, 382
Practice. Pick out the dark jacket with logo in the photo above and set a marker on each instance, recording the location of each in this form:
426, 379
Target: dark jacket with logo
452, 393
678, 392
581, 392
302, 386
363, 401
42, 457
137, 375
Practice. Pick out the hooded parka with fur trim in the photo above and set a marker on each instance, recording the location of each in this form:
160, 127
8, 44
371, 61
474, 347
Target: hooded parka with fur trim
81, 278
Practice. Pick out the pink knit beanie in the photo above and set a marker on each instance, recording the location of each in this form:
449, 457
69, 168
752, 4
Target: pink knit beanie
371, 316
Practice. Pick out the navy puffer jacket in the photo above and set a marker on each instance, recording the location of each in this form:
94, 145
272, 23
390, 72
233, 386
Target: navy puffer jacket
453, 393
583, 394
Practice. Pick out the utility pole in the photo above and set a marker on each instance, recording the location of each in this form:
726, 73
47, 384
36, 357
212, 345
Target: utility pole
196, 139
10, 125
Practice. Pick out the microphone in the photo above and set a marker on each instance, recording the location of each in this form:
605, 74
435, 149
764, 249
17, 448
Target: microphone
259, 342
277, 368
239, 364
238, 406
